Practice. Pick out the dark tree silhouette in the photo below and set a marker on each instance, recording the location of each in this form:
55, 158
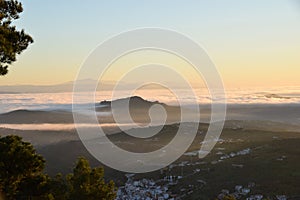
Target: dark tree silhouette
19, 163
22, 177
88, 183
12, 41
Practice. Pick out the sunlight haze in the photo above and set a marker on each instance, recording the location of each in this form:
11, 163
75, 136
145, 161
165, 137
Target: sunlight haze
252, 43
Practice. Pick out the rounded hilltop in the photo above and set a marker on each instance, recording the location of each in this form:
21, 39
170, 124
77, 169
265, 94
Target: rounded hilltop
137, 101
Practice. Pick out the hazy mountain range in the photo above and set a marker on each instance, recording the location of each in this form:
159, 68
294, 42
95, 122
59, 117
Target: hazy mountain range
63, 87
68, 87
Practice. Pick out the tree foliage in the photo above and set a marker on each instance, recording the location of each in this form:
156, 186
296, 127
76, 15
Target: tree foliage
88, 183
19, 162
229, 197
12, 41
22, 177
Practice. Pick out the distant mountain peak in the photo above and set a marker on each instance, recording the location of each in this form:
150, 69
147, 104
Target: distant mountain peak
136, 100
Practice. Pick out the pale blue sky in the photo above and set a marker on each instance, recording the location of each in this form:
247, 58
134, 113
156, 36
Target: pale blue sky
246, 39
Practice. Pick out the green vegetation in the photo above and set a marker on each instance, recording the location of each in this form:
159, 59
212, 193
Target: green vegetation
229, 197
12, 41
22, 177
87, 183
19, 165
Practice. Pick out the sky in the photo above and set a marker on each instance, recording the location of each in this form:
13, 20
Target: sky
252, 43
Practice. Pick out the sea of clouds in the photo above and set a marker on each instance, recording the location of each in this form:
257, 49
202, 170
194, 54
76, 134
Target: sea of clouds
63, 101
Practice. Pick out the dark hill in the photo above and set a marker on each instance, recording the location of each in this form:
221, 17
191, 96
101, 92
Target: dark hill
134, 102
139, 109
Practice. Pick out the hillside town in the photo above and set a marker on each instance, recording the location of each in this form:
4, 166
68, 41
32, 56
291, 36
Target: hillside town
146, 189
244, 192
160, 189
